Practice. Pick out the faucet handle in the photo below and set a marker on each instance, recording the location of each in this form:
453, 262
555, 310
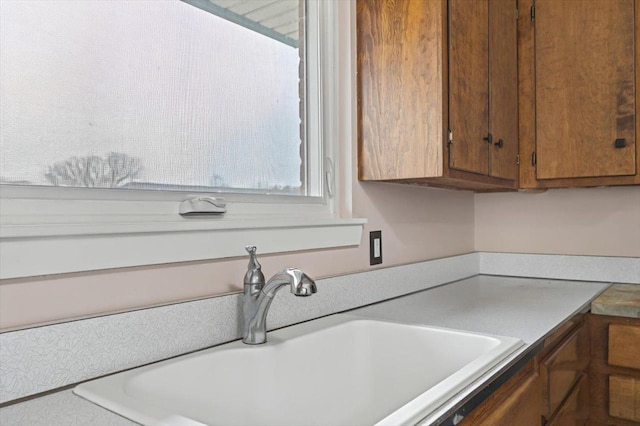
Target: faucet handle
254, 273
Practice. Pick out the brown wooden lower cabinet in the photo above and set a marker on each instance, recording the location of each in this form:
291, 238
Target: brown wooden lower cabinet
553, 388
517, 402
614, 371
624, 397
586, 374
575, 409
562, 367
624, 341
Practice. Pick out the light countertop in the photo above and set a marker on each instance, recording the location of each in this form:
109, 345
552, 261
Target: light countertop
525, 308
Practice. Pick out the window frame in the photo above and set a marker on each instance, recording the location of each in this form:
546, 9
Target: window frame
52, 230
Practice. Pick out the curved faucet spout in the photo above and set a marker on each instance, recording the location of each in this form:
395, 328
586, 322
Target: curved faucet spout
257, 303
301, 284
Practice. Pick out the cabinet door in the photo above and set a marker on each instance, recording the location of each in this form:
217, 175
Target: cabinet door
516, 402
584, 88
400, 95
469, 85
574, 410
503, 88
521, 407
563, 367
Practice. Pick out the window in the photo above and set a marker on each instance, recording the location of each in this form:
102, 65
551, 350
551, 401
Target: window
112, 113
157, 95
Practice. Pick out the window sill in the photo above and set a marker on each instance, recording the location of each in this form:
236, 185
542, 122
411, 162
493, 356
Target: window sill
34, 250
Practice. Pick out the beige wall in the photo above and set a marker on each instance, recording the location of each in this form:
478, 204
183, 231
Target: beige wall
588, 221
417, 224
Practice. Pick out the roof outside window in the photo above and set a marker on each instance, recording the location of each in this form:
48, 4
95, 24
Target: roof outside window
277, 19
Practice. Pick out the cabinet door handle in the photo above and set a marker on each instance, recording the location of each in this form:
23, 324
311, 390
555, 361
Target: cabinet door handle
620, 143
488, 138
500, 143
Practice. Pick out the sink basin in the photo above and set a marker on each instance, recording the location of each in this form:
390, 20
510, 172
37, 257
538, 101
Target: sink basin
338, 370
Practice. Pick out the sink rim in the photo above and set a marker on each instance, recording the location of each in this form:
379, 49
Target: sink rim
108, 392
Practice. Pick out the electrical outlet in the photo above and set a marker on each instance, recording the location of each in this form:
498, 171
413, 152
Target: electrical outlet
375, 247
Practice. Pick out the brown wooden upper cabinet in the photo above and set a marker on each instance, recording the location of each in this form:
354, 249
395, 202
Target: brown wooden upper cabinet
578, 93
437, 92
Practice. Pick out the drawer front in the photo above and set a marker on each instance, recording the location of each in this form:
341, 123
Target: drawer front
624, 344
624, 397
562, 368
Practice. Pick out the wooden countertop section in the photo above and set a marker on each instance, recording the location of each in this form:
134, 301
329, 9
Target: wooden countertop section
621, 300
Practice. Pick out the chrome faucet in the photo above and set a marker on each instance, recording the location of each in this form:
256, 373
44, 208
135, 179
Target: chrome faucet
258, 295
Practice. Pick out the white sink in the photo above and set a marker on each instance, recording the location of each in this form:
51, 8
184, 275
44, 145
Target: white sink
338, 370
